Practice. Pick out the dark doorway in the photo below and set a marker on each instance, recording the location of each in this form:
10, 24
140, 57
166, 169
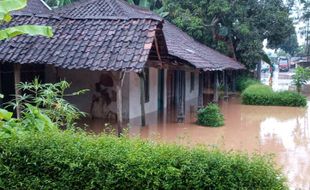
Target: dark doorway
176, 93
28, 73
161, 90
7, 82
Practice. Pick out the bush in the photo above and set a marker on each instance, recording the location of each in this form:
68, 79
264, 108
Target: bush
68, 160
210, 116
50, 98
264, 95
301, 77
244, 81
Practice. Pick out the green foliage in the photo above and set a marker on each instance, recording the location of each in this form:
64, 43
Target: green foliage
210, 116
32, 120
50, 98
245, 81
264, 95
236, 28
290, 45
67, 160
154, 5
301, 77
7, 6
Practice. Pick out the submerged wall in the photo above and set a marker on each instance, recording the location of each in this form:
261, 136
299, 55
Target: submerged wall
85, 79
134, 94
100, 100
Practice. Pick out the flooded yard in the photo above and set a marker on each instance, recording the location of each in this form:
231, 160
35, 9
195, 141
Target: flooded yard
281, 131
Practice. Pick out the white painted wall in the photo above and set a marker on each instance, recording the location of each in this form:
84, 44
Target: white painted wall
134, 94
85, 79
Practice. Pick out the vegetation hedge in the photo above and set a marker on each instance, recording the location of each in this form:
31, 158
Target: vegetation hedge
264, 95
244, 81
210, 116
69, 160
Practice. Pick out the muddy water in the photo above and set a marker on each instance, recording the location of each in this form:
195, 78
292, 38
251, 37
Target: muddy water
281, 131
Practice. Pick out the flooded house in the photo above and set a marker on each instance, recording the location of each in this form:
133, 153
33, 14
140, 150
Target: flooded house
133, 61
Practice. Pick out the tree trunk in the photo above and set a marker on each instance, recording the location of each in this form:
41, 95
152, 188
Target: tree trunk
258, 72
227, 40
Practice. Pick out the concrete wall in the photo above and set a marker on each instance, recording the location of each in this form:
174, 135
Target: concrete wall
134, 94
80, 79
85, 79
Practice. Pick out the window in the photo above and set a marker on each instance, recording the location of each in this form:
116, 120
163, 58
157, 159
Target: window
192, 81
147, 84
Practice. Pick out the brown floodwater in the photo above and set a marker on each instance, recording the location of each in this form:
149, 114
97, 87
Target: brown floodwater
281, 131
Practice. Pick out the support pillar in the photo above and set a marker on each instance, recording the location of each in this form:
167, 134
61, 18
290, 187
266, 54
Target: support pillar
216, 87
118, 81
142, 97
200, 90
17, 92
225, 80
180, 90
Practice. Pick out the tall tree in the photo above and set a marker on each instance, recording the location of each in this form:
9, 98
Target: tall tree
290, 45
154, 5
235, 27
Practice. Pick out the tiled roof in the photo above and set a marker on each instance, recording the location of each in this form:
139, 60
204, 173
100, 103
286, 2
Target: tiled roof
90, 44
199, 55
95, 43
105, 9
104, 35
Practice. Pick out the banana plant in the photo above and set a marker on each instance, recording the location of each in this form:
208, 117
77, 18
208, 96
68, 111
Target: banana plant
6, 7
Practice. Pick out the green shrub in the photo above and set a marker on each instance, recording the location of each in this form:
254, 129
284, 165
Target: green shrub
210, 116
68, 160
301, 77
264, 95
245, 81
50, 98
